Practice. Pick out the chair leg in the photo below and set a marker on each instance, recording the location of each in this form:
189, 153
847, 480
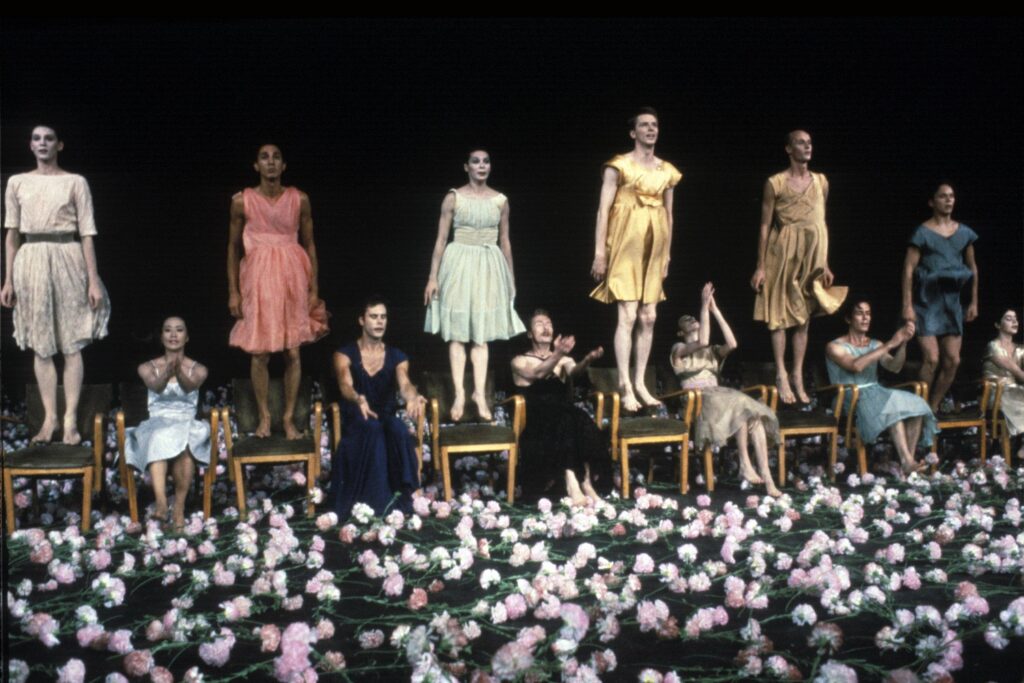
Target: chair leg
833, 454
983, 442
513, 459
208, 479
236, 467
310, 483
86, 499
650, 469
133, 495
684, 466
9, 499
709, 469
446, 473
782, 460
624, 462
1004, 438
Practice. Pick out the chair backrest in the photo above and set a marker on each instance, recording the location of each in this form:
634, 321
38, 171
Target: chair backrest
607, 379
439, 385
247, 415
95, 398
134, 399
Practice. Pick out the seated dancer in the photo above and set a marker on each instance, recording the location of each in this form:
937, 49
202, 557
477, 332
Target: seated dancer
1004, 363
171, 434
854, 359
559, 437
376, 457
725, 412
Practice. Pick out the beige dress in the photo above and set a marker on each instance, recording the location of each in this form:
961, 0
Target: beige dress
638, 232
796, 257
1012, 404
724, 411
51, 284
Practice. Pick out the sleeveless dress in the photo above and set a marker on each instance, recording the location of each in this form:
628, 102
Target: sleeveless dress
475, 301
879, 408
376, 458
724, 410
940, 275
796, 257
559, 436
637, 240
1012, 404
51, 284
274, 278
170, 429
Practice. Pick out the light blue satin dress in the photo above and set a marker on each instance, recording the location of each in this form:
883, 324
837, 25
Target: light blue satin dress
170, 429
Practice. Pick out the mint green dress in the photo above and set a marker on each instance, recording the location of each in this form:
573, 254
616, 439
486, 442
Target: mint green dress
475, 300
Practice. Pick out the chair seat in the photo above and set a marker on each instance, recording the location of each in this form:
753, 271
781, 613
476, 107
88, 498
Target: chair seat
274, 444
650, 426
969, 415
476, 434
49, 456
800, 419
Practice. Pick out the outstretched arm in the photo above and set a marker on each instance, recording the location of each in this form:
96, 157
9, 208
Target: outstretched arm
842, 357
730, 338
414, 403
581, 367
444, 224
306, 235
609, 186
531, 372
235, 226
343, 370
907, 281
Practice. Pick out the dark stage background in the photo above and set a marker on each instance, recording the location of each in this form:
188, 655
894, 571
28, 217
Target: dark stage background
375, 116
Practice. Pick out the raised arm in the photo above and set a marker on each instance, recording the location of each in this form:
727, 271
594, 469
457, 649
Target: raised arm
609, 186
306, 235
907, 281
529, 372
190, 374
343, 371
842, 357
730, 338
506, 244
444, 224
972, 308
155, 378
767, 211
235, 226
414, 403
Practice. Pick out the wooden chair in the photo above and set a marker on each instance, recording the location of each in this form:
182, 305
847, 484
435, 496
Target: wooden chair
761, 391
53, 460
134, 397
275, 449
996, 421
639, 430
462, 438
968, 417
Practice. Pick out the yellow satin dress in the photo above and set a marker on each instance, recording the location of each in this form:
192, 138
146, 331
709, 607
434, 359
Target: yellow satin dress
637, 239
796, 257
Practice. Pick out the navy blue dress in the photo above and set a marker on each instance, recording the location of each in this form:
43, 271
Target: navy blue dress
376, 458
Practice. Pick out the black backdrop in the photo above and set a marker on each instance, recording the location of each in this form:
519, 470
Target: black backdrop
374, 118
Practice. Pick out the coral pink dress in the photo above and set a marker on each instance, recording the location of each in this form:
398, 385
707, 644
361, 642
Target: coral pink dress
274, 278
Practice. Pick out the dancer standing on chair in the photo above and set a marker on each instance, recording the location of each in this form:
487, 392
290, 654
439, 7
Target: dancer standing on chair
272, 290
51, 281
792, 280
632, 247
470, 293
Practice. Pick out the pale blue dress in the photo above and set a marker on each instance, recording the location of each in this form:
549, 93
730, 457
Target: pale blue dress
170, 429
475, 300
878, 407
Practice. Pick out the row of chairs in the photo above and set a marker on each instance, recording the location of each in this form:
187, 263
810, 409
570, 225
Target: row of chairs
448, 441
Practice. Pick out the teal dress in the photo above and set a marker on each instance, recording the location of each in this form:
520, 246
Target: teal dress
879, 408
940, 275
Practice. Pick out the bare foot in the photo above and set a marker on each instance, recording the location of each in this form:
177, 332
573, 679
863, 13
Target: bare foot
71, 435
159, 512
481, 407
572, 486
772, 490
751, 475
263, 428
290, 432
629, 402
645, 396
588, 489
798, 389
785, 392
910, 466
458, 406
45, 433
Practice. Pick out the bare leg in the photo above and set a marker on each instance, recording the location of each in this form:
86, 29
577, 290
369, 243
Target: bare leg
646, 316
899, 438
623, 351
761, 453
912, 427
292, 379
478, 354
746, 469
781, 378
183, 469
261, 389
929, 364
799, 352
573, 488
457, 360
46, 378
158, 473
949, 361
74, 370
588, 486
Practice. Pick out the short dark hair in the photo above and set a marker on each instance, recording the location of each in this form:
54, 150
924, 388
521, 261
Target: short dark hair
469, 152
790, 134
934, 186
269, 144
373, 300
851, 304
640, 112
539, 311
46, 125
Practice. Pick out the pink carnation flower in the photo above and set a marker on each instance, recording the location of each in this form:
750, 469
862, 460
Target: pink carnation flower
72, 672
138, 663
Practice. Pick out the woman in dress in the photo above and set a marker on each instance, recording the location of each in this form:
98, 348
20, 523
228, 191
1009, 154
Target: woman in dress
471, 290
272, 291
725, 412
939, 262
60, 304
171, 434
854, 359
1004, 363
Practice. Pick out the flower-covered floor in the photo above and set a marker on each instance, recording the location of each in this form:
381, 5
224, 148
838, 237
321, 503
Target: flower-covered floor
864, 579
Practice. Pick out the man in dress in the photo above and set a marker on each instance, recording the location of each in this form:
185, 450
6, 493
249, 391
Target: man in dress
376, 458
632, 244
792, 279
